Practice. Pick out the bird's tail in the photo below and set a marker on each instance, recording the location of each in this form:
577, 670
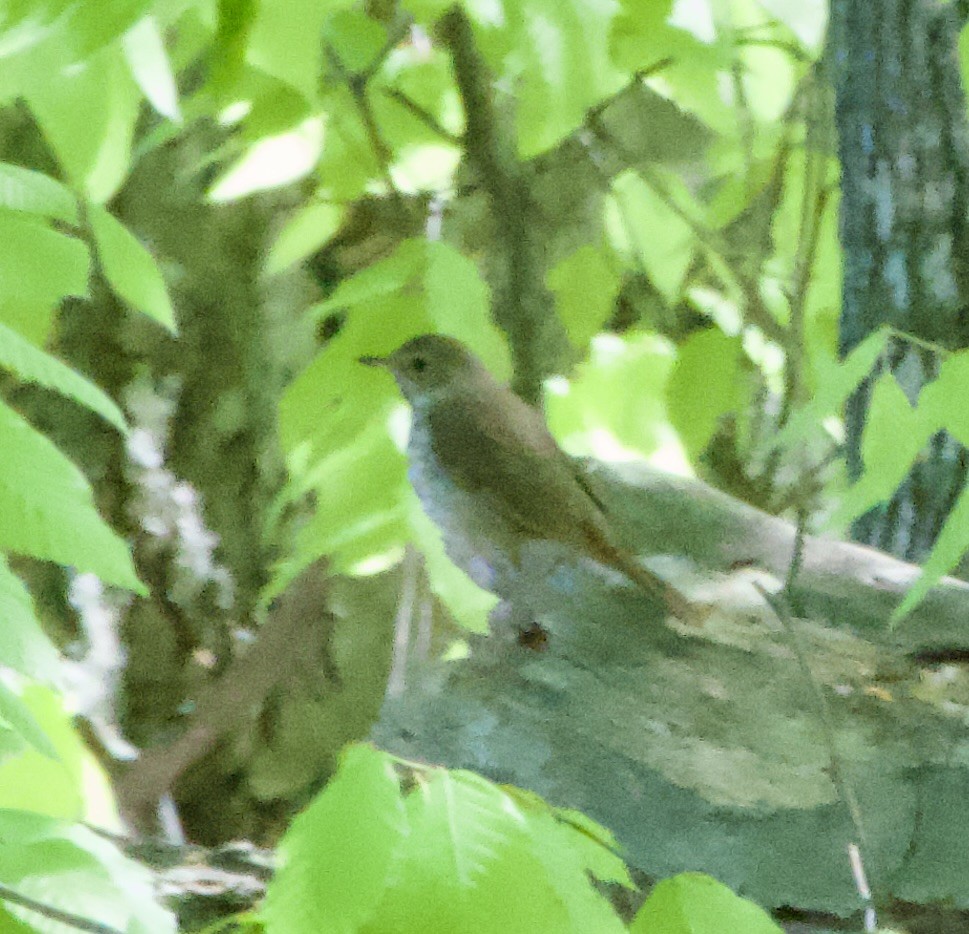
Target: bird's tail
681, 607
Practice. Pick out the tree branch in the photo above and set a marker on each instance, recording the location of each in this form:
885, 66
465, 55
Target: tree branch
357, 86
239, 691
8, 894
522, 305
422, 114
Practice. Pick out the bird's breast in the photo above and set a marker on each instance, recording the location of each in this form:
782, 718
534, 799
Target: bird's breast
468, 536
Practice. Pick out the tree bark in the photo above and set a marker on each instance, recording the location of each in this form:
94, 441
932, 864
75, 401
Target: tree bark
901, 117
754, 746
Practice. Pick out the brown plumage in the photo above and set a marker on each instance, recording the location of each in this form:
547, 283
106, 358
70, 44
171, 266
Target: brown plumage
490, 474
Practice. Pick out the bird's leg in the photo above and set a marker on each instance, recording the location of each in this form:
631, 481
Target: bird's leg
512, 619
515, 615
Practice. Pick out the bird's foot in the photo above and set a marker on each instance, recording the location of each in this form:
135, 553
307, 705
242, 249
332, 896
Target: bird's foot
510, 620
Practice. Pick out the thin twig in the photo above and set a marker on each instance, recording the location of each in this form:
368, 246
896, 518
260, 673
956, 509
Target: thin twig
781, 604
8, 894
422, 114
158, 853
791, 48
406, 601
357, 86
814, 203
394, 38
591, 142
425, 626
637, 79
756, 311
778, 603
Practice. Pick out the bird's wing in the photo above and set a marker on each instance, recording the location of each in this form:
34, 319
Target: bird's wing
508, 459
510, 462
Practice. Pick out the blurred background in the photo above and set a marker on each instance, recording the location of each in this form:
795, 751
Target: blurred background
628, 208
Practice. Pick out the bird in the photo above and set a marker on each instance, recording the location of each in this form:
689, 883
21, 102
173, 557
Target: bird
491, 476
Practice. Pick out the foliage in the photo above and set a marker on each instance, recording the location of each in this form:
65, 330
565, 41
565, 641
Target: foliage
726, 213
681, 182
455, 852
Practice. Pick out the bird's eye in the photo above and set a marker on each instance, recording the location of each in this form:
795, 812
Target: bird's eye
419, 364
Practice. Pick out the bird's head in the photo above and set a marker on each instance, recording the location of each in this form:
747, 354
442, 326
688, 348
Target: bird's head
429, 367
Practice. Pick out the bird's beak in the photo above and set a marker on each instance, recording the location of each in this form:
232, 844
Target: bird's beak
382, 362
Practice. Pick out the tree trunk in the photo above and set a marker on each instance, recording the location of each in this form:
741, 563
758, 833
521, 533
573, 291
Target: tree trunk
901, 117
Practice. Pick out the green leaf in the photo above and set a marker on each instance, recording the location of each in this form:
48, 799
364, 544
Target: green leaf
807, 19
583, 414
557, 52
272, 162
767, 74
382, 278
50, 38
88, 116
951, 544
453, 295
10, 925
88, 28
640, 36
47, 509
694, 903
338, 854
336, 398
130, 268
36, 780
458, 304
144, 51
12, 744
29, 24
568, 857
38, 268
421, 159
425, 12
304, 233
941, 400
286, 41
17, 715
647, 229
422, 167
705, 385
348, 168
40, 262
35, 193
32, 365
691, 52
24, 646
425, 77
602, 837
422, 287
234, 22
833, 382
585, 285
356, 39
361, 491
470, 863
894, 435
469, 819
68, 867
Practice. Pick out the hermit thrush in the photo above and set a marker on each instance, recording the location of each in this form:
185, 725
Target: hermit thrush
490, 475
